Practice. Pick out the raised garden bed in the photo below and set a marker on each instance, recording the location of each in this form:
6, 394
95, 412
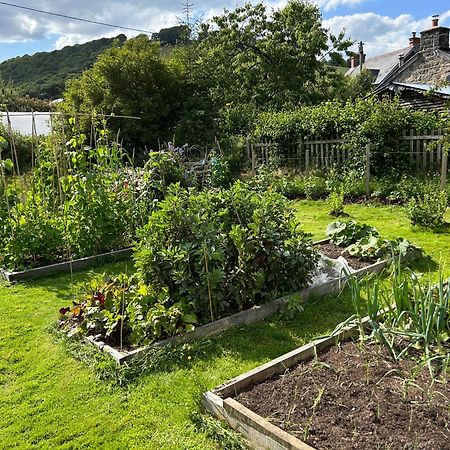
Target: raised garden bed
326, 396
65, 267
253, 315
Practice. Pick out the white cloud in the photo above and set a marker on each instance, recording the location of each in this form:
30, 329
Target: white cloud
381, 34
329, 5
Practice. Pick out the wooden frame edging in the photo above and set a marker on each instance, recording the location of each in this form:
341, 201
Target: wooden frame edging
247, 317
259, 432
65, 267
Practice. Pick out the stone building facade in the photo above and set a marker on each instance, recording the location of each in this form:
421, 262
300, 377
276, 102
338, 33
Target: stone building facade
431, 65
426, 61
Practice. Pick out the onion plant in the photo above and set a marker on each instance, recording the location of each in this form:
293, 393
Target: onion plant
405, 313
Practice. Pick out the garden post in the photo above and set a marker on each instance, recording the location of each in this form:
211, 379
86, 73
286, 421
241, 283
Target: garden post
444, 169
253, 160
307, 160
368, 170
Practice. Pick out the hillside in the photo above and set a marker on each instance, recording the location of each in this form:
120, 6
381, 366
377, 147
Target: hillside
44, 74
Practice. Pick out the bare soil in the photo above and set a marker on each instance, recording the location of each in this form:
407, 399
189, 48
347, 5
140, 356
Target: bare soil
334, 251
356, 397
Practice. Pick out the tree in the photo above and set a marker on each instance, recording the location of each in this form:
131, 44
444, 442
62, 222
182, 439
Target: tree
131, 80
171, 36
270, 60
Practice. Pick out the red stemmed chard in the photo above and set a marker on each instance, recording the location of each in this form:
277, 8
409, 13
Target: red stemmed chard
99, 297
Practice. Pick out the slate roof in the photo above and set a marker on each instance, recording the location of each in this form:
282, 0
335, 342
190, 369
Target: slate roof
381, 66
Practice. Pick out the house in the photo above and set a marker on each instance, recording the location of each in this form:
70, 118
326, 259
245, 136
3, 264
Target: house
421, 68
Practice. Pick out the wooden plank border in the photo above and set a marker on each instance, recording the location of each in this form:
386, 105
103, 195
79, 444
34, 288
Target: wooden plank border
66, 267
247, 317
259, 432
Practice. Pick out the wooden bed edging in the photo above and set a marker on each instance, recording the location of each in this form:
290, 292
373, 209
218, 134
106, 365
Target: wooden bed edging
260, 433
247, 317
65, 267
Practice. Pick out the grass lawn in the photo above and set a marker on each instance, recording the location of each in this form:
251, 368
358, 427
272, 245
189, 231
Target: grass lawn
48, 399
390, 221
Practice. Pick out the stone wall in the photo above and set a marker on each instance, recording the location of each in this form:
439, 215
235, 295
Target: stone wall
430, 68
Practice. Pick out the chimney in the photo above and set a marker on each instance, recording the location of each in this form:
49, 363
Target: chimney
354, 61
401, 60
436, 38
435, 21
414, 42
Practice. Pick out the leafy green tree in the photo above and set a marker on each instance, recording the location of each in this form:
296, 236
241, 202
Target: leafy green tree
251, 59
131, 80
271, 60
171, 36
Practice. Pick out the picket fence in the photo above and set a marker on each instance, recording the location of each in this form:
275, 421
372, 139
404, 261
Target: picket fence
325, 152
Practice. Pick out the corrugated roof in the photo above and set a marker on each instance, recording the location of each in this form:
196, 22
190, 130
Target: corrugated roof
381, 66
424, 88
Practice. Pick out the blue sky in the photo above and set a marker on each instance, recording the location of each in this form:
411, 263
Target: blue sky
382, 24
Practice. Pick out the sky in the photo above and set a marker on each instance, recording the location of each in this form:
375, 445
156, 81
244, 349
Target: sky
383, 25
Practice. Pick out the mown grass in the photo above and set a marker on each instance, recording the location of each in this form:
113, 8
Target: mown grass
50, 399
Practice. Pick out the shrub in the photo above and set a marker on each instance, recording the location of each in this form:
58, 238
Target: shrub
336, 203
220, 252
429, 209
361, 122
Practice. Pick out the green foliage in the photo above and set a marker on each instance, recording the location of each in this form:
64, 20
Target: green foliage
44, 74
220, 172
201, 256
79, 201
249, 54
249, 60
131, 80
220, 252
361, 122
428, 210
336, 202
407, 315
373, 248
125, 311
364, 241
347, 233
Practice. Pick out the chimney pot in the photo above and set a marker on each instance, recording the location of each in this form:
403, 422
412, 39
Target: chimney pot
435, 21
414, 41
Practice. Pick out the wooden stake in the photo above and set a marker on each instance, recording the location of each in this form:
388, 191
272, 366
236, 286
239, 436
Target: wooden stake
444, 169
367, 171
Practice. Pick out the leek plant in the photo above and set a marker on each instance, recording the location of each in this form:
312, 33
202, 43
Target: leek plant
405, 313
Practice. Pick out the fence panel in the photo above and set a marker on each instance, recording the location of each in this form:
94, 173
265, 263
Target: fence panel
324, 152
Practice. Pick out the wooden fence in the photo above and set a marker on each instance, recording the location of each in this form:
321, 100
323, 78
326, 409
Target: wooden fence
324, 152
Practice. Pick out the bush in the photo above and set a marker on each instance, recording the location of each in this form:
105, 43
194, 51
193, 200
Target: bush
428, 210
221, 252
361, 122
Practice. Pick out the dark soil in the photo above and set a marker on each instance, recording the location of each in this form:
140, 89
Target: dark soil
333, 251
356, 398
